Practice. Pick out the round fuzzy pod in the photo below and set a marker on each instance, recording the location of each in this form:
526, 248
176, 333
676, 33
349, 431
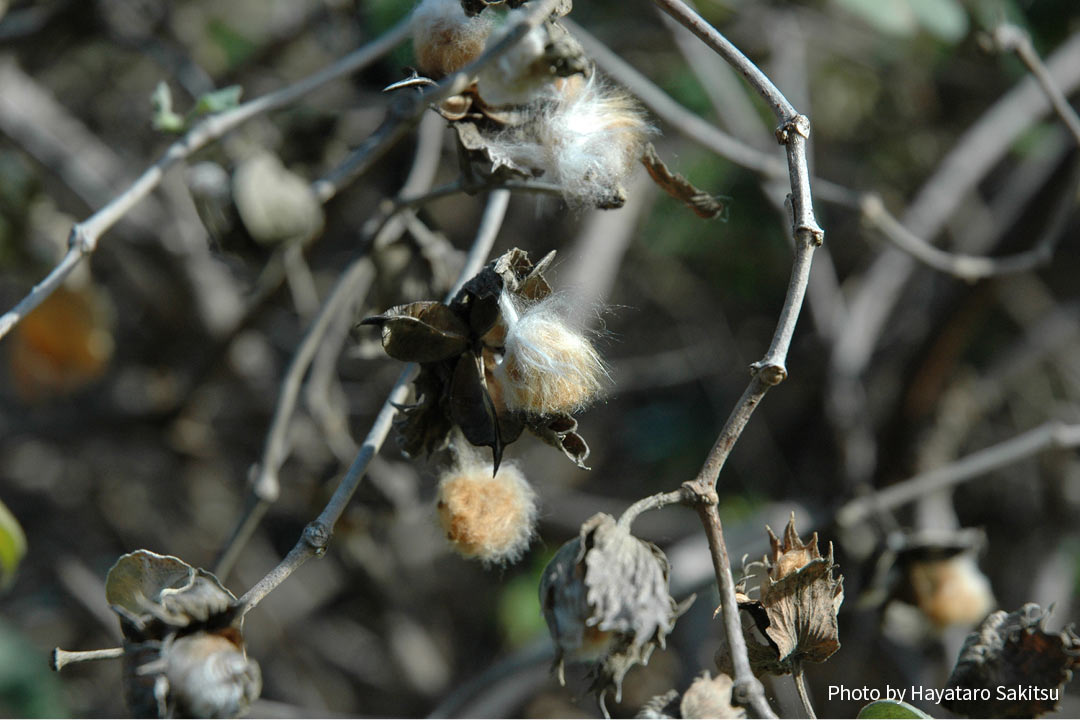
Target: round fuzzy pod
445, 39
548, 367
488, 518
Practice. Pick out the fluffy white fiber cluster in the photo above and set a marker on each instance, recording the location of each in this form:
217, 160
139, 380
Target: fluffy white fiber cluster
547, 367
445, 39
585, 135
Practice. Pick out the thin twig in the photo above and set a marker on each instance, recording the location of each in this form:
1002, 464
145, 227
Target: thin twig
800, 685
62, 658
793, 131
1046, 436
653, 502
316, 536
1012, 38
86, 234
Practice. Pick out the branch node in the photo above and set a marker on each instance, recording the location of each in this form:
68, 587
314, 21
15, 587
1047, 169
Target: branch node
697, 492
81, 240
317, 535
769, 373
798, 125
811, 233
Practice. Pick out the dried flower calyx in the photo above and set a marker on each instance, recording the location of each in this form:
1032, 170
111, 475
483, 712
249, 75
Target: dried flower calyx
1011, 667
499, 358
605, 598
796, 606
183, 644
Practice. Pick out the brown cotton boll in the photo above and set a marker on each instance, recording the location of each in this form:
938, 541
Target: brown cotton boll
951, 591
445, 39
488, 518
548, 367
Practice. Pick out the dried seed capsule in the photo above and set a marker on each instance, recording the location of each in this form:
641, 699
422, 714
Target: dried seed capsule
488, 518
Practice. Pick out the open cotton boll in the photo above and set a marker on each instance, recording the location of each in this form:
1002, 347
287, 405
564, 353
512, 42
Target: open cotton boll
547, 367
593, 136
445, 39
488, 518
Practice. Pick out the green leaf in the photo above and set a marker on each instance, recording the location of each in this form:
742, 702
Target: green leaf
12, 546
219, 100
892, 17
165, 119
887, 709
944, 19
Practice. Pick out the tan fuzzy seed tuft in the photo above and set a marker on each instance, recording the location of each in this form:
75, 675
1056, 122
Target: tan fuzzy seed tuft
485, 517
445, 39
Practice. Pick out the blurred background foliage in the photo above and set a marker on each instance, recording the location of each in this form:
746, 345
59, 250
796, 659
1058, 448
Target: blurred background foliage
134, 402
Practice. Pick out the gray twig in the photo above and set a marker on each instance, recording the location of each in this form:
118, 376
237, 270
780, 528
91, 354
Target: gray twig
1049, 435
86, 234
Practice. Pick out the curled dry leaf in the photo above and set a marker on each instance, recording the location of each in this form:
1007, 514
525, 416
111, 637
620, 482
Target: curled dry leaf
426, 331
183, 644
605, 598
702, 203
1011, 667
798, 599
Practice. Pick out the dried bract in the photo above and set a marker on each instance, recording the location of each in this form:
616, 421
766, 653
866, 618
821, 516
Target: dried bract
487, 515
798, 599
1010, 667
605, 598
183, 646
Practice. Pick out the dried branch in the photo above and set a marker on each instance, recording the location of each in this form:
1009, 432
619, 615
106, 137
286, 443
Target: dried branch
793, 131
1049, 435
86, 234
316, 536
1010, 38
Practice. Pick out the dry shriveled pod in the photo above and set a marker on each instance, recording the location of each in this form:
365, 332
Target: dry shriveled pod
184, 650
606, 601
1011, 667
